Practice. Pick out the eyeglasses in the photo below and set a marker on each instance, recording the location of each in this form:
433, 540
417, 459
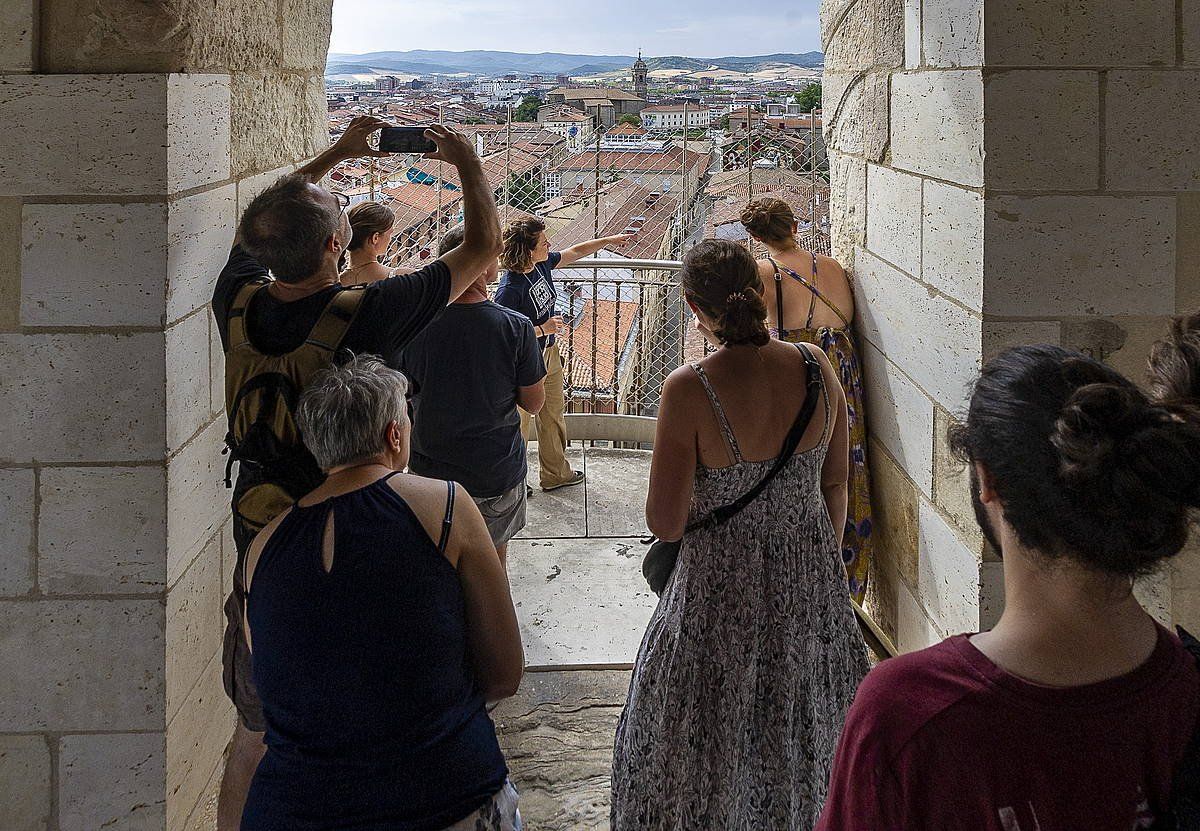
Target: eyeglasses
342, 198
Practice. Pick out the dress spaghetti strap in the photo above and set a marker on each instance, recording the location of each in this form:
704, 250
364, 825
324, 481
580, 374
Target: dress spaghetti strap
448, 520
726, 430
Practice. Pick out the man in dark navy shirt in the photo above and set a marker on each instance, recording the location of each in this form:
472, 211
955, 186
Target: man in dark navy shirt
469, 370
296, 232
528, 287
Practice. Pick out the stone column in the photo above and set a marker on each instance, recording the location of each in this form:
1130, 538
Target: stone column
132, 135
1030, 182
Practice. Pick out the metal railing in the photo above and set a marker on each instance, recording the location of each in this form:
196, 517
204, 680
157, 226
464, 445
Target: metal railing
627, 328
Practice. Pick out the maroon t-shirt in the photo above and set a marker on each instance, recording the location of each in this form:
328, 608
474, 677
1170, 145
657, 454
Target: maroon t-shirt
944, 739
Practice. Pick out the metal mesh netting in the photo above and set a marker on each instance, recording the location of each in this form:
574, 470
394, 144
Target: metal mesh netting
683, 177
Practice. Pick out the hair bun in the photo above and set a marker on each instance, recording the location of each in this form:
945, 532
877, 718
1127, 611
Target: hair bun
1091, 428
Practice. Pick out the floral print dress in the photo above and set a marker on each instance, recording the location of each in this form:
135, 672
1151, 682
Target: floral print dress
749, 662
838, 344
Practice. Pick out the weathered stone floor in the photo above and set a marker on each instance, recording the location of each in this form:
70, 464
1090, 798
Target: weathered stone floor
577, 585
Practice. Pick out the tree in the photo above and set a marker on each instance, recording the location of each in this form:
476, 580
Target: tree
525, 193
809, 98
528, 109
629, 118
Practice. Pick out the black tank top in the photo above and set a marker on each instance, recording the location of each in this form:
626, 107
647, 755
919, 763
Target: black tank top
374, 720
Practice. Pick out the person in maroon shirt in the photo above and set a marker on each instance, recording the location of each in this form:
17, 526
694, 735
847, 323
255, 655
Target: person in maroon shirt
1074, 712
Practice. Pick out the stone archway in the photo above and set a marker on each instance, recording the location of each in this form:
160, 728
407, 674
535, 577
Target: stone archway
134, 132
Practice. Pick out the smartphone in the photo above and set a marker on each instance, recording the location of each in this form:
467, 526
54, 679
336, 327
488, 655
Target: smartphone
405, 140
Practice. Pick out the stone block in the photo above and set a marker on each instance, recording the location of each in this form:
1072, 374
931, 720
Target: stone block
914, 630
912, 34
189, 388
16, 50
856, 113
1001, 335
1154, 593
1187, 252
948, 579
1049, 33
935, 341
867, 35
952, 484
234, 35
197, 500
1190, 32
272, 122
899, 416
82, 397
1043, 130
113, 134
952, 32
306, 29
194, 624
952, 242
894, 217
991, 594
25, 783
108, 36
198, 116
10, 264
93, 265
196, 739
1152, 122
880, 600
111, 128
124, 512
200, 232
1123, 342
895, 502
17, 554
81, 665
1185, 586
251, 186
847, 206
1079, 255
112, 781
937, 124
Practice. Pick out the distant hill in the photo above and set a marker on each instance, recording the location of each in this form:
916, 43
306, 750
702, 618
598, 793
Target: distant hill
482, 62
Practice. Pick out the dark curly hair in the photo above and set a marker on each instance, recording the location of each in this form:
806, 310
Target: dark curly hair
721, 278
1087, 465
769, 219
520, 238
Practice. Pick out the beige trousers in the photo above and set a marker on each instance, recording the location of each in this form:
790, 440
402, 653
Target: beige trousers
550, 424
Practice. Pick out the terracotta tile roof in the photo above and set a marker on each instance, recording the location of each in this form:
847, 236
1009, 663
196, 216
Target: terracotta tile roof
619, 204
416, 202
612, 321
661, 161
626, 129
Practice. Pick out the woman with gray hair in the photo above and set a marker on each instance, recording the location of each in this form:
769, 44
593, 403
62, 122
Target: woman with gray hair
381, 624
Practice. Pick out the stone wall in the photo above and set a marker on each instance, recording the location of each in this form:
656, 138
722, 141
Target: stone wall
133, 134
1030, 180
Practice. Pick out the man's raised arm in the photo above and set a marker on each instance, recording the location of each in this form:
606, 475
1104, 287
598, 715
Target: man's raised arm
481, 226
352, 144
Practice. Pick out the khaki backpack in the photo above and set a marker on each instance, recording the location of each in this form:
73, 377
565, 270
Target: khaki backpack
261, 395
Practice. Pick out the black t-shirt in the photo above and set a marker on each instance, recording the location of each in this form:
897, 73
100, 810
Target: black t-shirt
465, 368
392, 312
532, 294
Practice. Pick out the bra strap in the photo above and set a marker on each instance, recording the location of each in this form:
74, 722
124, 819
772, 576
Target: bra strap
448, 520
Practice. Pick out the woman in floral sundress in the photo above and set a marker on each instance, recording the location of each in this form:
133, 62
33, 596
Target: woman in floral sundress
813, 297
753, 655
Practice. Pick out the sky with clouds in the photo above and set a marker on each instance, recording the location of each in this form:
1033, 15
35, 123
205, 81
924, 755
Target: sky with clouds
696, 28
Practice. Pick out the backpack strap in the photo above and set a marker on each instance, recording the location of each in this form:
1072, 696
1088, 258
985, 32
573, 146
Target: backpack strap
336, 318
236, 321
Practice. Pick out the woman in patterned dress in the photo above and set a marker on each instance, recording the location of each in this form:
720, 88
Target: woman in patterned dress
753, 655
817, 305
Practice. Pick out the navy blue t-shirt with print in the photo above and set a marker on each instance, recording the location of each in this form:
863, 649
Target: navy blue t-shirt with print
532, 294
465, 368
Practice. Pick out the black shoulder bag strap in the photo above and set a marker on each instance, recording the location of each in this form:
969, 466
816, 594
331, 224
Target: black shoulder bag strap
779, 299
812, 391
1184, 812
